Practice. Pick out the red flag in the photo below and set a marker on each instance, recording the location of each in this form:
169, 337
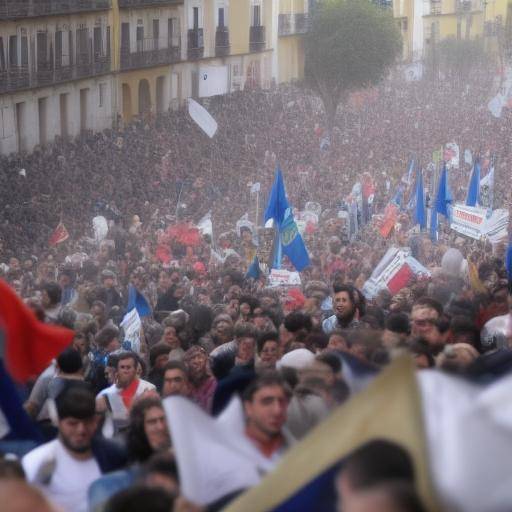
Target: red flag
29, 344
59, 235
389, 221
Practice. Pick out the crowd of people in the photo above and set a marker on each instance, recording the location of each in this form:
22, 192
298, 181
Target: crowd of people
211, 331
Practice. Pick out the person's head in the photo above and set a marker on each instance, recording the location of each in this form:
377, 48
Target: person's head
265, 405
108, 279
327, 366
164, 280
107, 339
346, 303
372, 464
159, 355
456, 358
175, 379
223, 326
99, 312
396, 331
148, 431
126, 369
463, 330
160, 471
296, 327
19, 496
245, 337
170, 337
337, 341
196, 361
77, 421
80, 343
268, 349
139, 497
424, 315
51, 295
69, 362
421, 353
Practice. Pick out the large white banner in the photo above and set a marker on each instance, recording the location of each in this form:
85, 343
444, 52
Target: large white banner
473, 222
202, 117
213, 80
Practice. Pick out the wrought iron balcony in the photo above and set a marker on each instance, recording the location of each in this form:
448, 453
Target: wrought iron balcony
195, 49
256, 38
16, 9
17, 78
149, 53
291, 24
147, 3
222, 42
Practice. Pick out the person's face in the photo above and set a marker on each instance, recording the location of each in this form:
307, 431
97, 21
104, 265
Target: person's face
80, 344
267, 302
164, 281
267, 411
175, 278
285, 337
222, 328
14, 264
126, 372
423, 321
270, 353
179, 293
98, 313
108, 282
235, 292
343, 306
197, 364
246, 236
245, 309
204, 299
76, 434
155, 428
323, 371
337, 342
175, 383
161, 361
246, 348
114, 345
28, 264
170, 337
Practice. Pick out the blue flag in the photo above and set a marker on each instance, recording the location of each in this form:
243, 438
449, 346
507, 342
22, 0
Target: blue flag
508, 262
443, 198
288, 239
138, 301
292, 243
434, 235
419, 212
277, 202
254, 270
474, 186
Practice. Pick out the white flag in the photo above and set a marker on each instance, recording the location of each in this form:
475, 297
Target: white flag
202, 117
255, 187
205, 225
131, 325
100, 226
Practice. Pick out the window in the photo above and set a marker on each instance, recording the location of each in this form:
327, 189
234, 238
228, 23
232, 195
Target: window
13, 51
156, 29
102, 93
6, 122
98, 43
2, 55
256, 15
42, 49
196, 17
82, 53
58, 49
24, 51
221, 17
140, 38
174, 34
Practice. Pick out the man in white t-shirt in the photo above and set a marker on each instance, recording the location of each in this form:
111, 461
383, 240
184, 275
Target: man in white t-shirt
64, 468
118, 398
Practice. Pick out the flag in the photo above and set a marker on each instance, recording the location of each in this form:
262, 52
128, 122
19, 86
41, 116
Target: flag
254, 270
277, 202
441, 204
132, 325
15, 424
59, 235
29, 345
138, 301
419, 212
288, 239
202, 118
508, 262
474, 186
486, 198
306, 474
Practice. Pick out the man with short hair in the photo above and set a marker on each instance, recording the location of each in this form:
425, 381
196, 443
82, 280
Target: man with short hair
265, 405
425, 316
65, 467
349, 306
175, 380
119, 397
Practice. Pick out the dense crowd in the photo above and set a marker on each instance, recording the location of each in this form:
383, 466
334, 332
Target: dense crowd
212, 333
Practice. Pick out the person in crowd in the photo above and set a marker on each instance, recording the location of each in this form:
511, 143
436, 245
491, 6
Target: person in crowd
348, 306
268, 350
64, 468
176, 380
202, 383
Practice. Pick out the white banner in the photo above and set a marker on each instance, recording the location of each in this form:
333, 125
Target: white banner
473, 222
213, 81
131, 325
283, 278
202, 117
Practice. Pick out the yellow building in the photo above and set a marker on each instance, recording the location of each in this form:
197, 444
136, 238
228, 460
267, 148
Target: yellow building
423, 21
70, 66
293, 24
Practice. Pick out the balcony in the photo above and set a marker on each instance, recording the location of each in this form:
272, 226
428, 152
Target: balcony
256, 38
291, 24
150, 52
222, 42
195, 49
18, 78
147, 3
17, 9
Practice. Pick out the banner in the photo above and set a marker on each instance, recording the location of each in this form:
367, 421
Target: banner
389, 220
473, 222
283, 278
202, 118
213, 81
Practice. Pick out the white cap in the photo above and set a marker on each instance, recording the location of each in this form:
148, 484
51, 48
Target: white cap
298, 359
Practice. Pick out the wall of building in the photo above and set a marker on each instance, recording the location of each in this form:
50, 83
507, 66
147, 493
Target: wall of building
291, 58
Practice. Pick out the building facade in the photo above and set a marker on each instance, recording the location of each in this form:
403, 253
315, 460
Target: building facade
69, 66
423, 22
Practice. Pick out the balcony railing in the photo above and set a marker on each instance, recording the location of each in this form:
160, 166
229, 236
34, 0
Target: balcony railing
291, 24
147, 3
221, 42
16, 9
149, 53
257, 38
17, 78
195, 49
